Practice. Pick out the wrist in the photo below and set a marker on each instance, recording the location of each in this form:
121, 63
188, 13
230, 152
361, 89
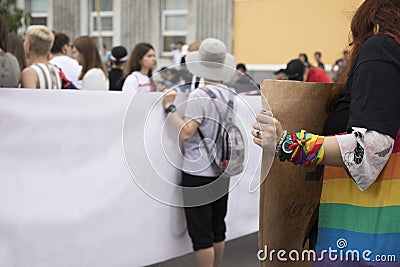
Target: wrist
166, 105
170, 108
278, 147
301, 148
281, 134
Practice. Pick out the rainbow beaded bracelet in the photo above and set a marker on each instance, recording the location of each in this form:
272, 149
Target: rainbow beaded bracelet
302, 148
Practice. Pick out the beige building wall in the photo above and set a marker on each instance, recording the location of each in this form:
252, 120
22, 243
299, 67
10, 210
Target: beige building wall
275, 31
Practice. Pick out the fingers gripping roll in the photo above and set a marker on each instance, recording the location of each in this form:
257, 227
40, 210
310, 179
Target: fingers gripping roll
266, 130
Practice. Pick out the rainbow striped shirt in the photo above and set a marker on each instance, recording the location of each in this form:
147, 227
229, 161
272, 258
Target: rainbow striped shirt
358, 228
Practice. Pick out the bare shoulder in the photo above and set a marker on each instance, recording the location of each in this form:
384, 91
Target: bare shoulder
28, 71
29, 78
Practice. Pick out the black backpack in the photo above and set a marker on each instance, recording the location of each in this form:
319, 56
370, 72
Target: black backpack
65, 83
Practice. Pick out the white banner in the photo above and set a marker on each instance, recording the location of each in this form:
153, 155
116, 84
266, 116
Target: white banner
70, 197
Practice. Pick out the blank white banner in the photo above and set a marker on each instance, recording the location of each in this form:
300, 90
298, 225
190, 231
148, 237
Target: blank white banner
67, 196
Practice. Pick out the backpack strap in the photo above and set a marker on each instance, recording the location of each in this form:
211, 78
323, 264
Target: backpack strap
214, 163
210, 93
64, 82
228, 114
214, 98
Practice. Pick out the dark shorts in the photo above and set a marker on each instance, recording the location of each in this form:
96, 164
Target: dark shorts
206, 223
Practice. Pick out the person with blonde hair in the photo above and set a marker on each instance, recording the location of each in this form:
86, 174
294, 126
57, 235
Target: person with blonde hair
41, 74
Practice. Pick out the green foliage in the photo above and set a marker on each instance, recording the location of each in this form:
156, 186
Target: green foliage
16, 18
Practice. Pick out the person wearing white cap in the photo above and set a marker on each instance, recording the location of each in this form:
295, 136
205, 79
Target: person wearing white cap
201, 122
118, 57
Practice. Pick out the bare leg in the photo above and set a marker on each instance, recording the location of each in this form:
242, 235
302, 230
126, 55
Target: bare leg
205, 257
219, 251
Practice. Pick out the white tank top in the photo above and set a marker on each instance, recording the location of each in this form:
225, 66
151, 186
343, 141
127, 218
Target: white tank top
48, 76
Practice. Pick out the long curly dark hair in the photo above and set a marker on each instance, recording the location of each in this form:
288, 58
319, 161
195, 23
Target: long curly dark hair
372, 17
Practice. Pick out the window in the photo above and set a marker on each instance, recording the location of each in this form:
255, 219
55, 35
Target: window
39, 11
106, 22
173, 24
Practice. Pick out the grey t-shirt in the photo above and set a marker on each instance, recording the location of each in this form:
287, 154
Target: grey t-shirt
10, 73
201, 108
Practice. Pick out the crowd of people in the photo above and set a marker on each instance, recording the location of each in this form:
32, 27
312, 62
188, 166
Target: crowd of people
300, 69
48, 59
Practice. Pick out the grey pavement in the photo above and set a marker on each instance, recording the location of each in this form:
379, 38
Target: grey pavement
241, 252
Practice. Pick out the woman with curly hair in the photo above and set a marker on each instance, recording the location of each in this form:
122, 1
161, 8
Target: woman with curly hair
359, 213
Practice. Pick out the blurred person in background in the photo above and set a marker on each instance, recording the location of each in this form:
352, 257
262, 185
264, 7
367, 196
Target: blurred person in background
295, 70
40, 74
316, 74
139, 70
61, 52
177, 54
304, 58
106, 58
280, 74
9, 67
16, 47
191, 81
118, 58
317, 57
340, 66
242, 69
93, 75
162, 82
242, 81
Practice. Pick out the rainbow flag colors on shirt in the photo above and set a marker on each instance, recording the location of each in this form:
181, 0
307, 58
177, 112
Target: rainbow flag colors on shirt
358, 228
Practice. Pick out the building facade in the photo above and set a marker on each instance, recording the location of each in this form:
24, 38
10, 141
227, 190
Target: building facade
265, 34
128, 22
276, 31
